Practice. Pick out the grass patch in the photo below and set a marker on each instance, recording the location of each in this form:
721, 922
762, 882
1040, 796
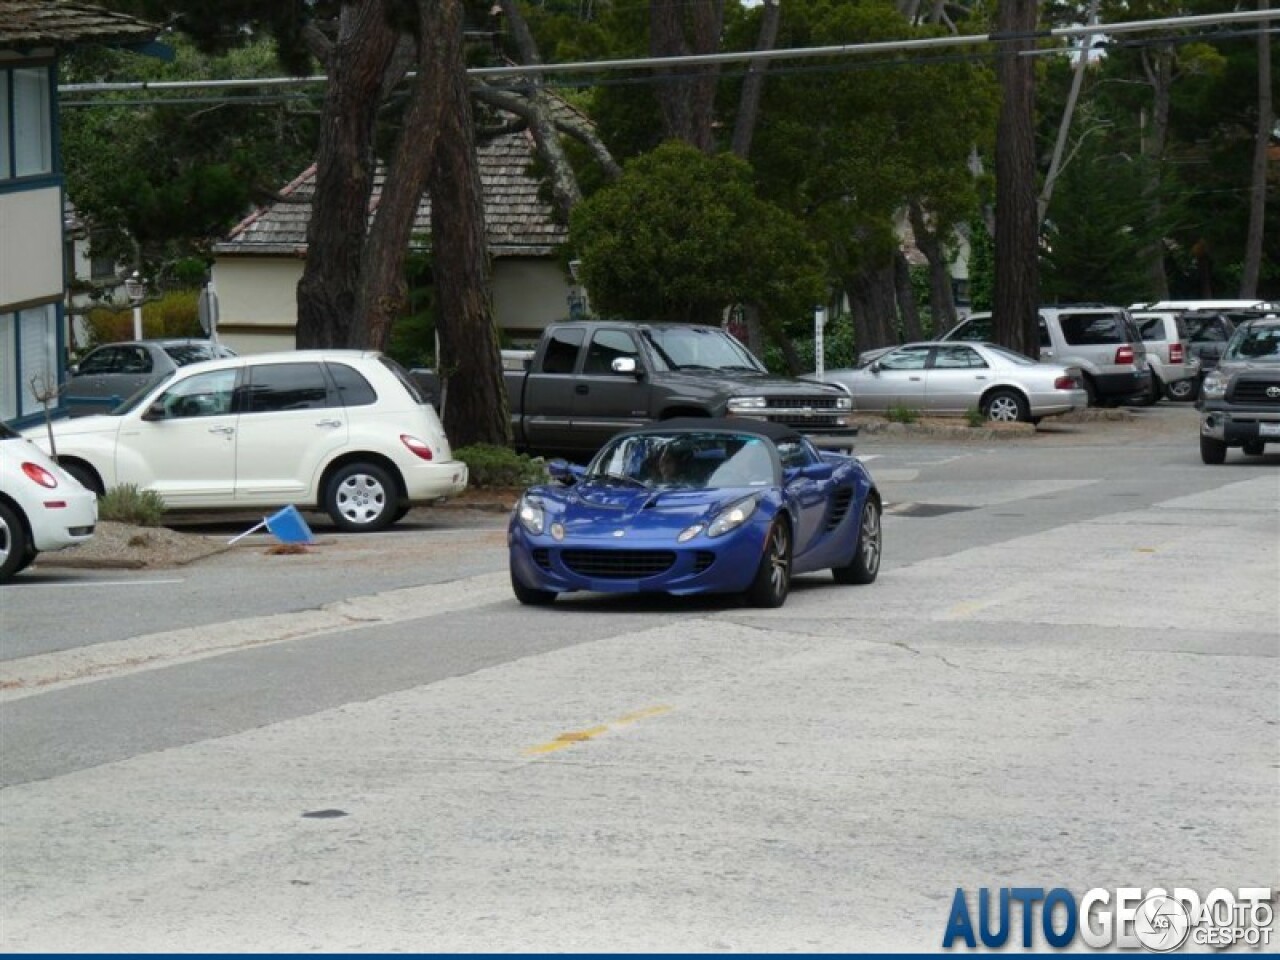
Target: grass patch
902, 415
127, 504
973, 416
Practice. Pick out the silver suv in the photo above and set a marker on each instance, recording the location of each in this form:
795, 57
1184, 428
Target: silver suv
1175, 368
1102, 341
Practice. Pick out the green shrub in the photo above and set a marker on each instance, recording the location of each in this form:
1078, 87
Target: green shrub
493, 466
127, 504
902, 415
973, 416
176, 314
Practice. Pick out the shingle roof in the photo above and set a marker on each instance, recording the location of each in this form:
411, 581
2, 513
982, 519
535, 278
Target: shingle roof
56, 23
518, 221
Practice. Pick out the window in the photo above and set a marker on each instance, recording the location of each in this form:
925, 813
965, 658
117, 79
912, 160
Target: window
26, 130
287, 386
908, 358
28, 359
562, 351
353, 389
975, 329
607, 346
102, 360
1151, 328
1091, 329
952, 358
204, 395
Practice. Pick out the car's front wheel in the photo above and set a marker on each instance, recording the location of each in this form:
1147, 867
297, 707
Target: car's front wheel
361, 498
15, 544
865, 565
1181, 391
1212, 451
773, 575
531, 596
1006, 406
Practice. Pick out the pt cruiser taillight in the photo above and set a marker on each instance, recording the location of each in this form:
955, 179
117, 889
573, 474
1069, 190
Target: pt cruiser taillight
416, 446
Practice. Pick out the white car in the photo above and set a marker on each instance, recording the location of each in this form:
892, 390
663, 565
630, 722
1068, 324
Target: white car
343, 431
42, 507
942, 377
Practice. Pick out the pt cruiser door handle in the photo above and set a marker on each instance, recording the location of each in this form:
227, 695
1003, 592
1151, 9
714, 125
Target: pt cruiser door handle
224, 430
328, 423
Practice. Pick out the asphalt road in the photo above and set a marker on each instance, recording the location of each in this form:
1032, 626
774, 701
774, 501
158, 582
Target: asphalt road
1065, 676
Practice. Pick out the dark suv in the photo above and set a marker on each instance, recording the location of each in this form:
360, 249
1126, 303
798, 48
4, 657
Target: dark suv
1240, 400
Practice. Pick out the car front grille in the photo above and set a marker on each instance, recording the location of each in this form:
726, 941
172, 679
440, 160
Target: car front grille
797, 403
1256, 390
542, 557
702, 560
618, 564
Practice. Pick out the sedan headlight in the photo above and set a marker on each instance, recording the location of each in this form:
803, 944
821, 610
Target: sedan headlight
733, 516
1214, 386
747, 403
531, 515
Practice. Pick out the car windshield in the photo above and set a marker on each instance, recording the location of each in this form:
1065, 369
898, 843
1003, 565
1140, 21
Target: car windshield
700, 348
187, 353
1255, 344
1011, 355
685, 460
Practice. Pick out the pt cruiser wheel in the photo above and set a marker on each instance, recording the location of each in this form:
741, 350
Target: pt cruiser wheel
361, 498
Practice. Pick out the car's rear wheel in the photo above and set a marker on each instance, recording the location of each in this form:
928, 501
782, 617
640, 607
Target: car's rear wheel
531, 596
1212, 451
865, 565
1090, 391
1006, 406
773, 576
1182, 390
1153, 394
85, 475
15, 543
1254, 448
361, 498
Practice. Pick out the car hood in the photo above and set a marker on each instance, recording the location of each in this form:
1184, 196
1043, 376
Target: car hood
1269, 368
99, 423
592, 510
746, 383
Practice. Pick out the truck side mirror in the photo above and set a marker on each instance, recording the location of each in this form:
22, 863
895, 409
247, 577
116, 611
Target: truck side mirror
627, 365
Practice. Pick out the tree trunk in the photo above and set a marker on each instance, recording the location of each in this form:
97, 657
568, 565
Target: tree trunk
1158, 65
345, 161
906, 297
686, 95
753, 86
942, 302
1258, 188
1017, 235
872, 302
383, 292
470, 365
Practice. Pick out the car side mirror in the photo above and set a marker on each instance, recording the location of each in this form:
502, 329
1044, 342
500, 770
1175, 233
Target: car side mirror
155, 411
875, 366
627, 366
73, 370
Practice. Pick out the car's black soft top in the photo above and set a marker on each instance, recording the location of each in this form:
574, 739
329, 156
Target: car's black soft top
777, 432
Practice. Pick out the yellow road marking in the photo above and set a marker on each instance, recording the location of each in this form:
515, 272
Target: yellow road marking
571, 737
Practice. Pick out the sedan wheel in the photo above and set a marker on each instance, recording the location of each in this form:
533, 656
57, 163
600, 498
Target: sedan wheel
773, 577
15, 545
361, 498
865, 565
1005, 406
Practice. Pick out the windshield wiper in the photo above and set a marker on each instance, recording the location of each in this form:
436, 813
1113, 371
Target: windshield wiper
618, 478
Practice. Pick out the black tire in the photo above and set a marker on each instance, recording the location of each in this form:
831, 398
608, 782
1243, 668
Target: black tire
1006, 406
865, 565
15, 543
1255, 448
1153, 394
85, 475
361, 498
400, 512
1090, 391
1182, 391
530, 596
773, 576
1212, 451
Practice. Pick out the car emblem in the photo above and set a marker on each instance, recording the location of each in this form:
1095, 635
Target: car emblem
1273, 392
619, 533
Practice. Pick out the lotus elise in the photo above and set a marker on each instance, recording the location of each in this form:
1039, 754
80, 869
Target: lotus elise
696, 505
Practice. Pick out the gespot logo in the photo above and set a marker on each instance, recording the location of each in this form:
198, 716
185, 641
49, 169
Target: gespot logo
1129, 918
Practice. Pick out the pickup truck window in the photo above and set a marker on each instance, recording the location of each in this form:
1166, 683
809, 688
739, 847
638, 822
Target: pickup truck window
562, 350
700, 348
607, 346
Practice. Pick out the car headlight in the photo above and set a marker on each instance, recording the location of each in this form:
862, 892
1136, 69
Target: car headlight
1214, 386
844, 403
747, 403
531, 515
733, 516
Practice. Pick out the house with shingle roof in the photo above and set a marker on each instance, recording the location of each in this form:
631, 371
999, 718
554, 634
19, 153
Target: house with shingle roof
33, 329
257, 267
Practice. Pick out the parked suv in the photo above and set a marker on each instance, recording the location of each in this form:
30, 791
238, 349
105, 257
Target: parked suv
343, 431
1175, 369
1240, 401
1102, 341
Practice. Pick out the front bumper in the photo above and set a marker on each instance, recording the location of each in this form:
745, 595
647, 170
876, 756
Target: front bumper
1237, 426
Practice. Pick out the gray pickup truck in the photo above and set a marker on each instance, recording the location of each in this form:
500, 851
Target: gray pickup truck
588, 380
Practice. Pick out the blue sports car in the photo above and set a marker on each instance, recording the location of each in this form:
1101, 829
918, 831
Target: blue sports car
697, 506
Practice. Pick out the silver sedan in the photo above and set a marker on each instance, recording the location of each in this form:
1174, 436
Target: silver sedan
945, 377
